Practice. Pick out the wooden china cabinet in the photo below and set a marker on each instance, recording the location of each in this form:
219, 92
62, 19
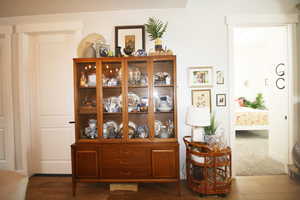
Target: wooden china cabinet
125, 119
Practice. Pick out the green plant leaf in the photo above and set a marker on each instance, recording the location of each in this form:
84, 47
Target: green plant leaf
155, 28
212, 128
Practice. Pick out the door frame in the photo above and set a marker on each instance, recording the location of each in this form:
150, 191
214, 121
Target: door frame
24, 86
290, 22
9, 140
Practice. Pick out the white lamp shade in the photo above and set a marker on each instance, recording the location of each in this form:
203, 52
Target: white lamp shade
198, 116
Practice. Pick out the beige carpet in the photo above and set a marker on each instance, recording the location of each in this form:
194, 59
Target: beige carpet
12, 185
252, 155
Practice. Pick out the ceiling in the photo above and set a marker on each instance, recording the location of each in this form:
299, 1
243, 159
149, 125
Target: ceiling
9, 8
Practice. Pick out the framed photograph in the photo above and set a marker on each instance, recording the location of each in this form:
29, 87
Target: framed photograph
200, 76
201, 98
221, 99
220, 77
133, 36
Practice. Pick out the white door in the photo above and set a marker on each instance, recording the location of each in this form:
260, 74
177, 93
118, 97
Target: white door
278, 96
7, 152
52, 101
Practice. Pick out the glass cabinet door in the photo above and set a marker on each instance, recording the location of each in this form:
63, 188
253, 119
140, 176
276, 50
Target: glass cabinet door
138, 99
86, 105
164, 99
112, 100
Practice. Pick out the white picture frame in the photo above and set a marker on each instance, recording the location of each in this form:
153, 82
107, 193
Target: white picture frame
220, 77
201, 76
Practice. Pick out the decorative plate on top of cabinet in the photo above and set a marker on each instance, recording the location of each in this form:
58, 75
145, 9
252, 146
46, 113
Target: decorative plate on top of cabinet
87, 43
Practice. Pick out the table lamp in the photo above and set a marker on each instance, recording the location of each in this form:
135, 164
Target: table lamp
198, 118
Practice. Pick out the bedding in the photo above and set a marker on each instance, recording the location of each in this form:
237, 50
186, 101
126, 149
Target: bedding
250, 117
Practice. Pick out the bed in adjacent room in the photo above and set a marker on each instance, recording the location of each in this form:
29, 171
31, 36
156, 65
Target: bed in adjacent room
251, 119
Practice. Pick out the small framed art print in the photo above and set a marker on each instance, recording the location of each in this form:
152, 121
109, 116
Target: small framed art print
220, 77
200, 76
220, 99
201, 98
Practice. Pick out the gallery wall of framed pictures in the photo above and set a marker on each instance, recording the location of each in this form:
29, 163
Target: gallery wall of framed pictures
202, 81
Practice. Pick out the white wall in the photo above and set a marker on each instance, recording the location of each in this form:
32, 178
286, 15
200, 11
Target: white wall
197, 34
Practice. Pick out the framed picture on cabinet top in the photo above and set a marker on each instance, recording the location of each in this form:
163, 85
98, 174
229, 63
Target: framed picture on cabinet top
201, 98
130, 37
220, 77
200, 76
221, 100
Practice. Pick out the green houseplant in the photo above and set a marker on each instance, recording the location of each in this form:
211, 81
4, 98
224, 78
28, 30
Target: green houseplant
210, 131
156, 28
259, 102
212, 128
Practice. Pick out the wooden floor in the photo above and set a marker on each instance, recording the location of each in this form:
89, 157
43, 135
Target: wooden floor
243, 188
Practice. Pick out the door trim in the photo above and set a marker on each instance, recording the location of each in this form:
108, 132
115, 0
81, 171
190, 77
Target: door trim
9, 138
24, 74
290, 22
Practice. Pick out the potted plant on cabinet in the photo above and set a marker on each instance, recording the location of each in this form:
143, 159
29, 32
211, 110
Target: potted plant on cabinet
156, 28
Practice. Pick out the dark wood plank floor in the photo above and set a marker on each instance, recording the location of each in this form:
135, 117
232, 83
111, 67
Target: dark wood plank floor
243, 188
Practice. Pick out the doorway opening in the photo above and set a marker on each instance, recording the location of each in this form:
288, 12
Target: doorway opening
261, 100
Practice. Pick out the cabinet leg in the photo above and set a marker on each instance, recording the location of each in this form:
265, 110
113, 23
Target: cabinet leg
74, 184
178, 188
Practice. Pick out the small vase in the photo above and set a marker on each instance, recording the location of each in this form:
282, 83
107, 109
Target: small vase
128, 50
118, 52
158, 44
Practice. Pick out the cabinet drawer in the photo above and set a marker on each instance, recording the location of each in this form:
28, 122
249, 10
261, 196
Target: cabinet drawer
136, 157
126, 172
110, 156
125, 157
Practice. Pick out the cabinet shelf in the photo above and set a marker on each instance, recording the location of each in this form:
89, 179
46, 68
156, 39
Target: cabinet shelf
162, 85
137, 112
89, 87
159, 112
112, 113
112, 87
88, 110
137, 86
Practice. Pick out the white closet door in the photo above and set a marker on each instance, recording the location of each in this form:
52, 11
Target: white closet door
52, 101
279, 97
7, 152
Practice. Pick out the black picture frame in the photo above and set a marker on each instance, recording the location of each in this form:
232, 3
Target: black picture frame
218, 102
133, 29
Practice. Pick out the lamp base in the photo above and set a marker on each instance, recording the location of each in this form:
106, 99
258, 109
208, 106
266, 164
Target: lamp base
198, 134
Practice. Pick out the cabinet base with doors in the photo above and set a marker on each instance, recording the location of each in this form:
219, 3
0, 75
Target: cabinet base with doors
126, 121
125, 163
